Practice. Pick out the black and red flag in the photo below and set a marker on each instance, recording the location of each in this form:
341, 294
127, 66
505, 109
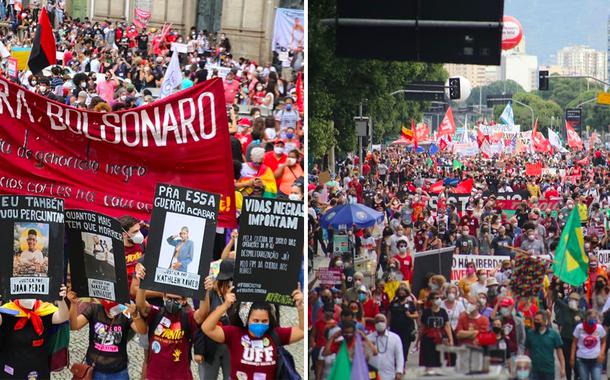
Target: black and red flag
43, 47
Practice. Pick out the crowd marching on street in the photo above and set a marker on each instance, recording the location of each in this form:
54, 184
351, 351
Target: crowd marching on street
528, 281
111, 66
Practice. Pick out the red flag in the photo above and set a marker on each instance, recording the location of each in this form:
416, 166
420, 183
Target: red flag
540, 143
574, 141
43, 47
442, 145
299, 86
447, 126
480, 136
464, 187
406, 133
486, 148
423, 132
414, 134
533, 169
437, 187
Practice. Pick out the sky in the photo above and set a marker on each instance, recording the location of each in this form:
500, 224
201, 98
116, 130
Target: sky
549, 25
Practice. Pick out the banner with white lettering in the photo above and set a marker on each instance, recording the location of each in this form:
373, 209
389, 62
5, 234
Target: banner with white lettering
460, 201
32, 234
484, 262
603, 258
329, 276
97, 256
269, 250
181, 240
111, 162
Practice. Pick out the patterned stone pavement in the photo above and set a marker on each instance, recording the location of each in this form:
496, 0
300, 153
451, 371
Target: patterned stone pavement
79, 341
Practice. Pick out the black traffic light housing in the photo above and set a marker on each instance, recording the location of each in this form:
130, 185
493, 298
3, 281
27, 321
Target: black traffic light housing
454, 88
543, 80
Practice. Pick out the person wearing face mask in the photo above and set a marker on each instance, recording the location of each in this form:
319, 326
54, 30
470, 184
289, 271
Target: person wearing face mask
595, 271
434, 329
351, 294
481, 285
288, 172
287, 117
327, 304
532, 243
471, 323
484, 307
541, 343
369, 308
106, 88
389, 359
231, 87
276, 158
499, 352
108, 334
466, 244
568, 315
589, 347
404, 261
170, 330
291, 139
255, 174
254, 343
317, 339
402, 316
513, 325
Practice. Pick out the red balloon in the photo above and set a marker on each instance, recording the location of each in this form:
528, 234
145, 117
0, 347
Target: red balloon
512, 32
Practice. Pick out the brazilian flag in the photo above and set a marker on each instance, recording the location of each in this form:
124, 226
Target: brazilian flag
571, 263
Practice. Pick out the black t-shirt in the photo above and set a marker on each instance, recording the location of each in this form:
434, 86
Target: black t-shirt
142, 41
23, 353
201, 75
400, 323
236, 149
107, 339
466, 245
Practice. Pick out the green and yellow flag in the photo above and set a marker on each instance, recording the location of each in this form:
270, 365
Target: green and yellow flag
571, 263
457, 164
342, 368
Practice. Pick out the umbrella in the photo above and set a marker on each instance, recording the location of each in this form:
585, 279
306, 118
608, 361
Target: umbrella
352, 214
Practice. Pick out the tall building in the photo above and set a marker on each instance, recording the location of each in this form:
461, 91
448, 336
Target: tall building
521, 68
583, 60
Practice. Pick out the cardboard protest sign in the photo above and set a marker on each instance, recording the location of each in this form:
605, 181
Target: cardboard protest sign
340, 244
329, 276
437, 261
97, 256
603, 258
484, 262
32, 232
180, 241
111, 162
269, 250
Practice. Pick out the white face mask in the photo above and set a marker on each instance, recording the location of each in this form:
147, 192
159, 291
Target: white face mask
27, 303
380, 327
470, 308
291, 161
278, 150
438, 302
451, 296
137, 238
402, 249
573, 304
294, 197
483, 302
505, 311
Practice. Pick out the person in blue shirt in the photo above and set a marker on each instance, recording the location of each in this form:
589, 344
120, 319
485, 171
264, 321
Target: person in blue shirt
183, 252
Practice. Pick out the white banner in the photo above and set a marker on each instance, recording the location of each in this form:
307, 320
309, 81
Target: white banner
484, 262
289, 29
503, 128
603, 258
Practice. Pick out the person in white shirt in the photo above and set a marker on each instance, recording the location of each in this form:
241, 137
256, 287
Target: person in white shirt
589, 347
389, 360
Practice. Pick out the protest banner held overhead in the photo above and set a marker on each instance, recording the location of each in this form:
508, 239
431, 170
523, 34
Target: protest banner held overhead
488, 264
181, 240
97, 256
289, 30
111, 162
32, 232
269, 250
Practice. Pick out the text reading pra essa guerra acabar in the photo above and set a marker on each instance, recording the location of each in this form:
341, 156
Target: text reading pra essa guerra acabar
187, 120
34, 209
175, 199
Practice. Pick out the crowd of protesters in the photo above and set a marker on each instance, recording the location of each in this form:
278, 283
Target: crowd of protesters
108, 66
377, 300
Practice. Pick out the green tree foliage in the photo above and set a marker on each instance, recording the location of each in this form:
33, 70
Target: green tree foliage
596, 116
336, 87
494, 88
544, 111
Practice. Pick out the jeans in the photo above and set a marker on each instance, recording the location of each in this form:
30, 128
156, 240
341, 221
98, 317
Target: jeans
534, 375
222, 359
589, 369
121, 375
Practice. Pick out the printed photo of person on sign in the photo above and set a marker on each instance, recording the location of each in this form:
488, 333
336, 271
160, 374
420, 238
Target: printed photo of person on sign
181, 248
31, 250
99, 258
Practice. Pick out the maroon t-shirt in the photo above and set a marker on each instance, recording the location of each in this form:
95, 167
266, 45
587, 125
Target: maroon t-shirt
253, 358
132, 256
168, 346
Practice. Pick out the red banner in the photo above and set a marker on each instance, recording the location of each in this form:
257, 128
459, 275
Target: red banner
111, 162
512, 204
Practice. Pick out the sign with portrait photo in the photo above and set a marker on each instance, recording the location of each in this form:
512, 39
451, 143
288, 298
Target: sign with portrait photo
269, 250
97, 256
32, 232
181, 240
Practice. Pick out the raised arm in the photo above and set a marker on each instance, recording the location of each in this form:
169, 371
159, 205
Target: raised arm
298, 333
77, 321
63, 314
141, 304
210, 325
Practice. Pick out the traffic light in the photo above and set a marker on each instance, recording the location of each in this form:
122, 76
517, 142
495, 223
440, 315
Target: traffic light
543, 80
454, 88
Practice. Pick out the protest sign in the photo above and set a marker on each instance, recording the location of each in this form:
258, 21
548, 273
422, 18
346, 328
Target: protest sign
288, 31
460, 201
434, 261
269, 250
11, 67
328, 276
97, 256
32, 234
340, 244
111, 162
181, 240
603, 258
483, 262
542, 204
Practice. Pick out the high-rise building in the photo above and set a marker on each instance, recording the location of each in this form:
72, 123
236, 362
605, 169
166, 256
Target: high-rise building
521, 68
583, 60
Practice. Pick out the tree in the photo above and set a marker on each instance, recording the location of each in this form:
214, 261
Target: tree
494, 88
564, 90
546, 111
338, 85
594, 115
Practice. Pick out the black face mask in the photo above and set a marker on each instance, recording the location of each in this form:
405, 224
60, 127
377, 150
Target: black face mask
327, 300
497, 329
172, 306
537, 326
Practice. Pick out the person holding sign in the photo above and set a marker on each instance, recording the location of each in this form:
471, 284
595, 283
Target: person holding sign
25, 326
254, 348
170, 333
183, 252
108, 328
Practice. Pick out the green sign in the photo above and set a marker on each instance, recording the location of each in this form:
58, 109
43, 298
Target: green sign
341, 243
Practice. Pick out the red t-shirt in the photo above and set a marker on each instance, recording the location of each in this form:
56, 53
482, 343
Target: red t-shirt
321, 327
230, 90
272, 162
419, 240
169, 348
370, 309
406, 266
253, 358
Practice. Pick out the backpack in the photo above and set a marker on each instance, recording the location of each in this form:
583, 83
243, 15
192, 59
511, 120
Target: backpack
184, 322
285, 361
